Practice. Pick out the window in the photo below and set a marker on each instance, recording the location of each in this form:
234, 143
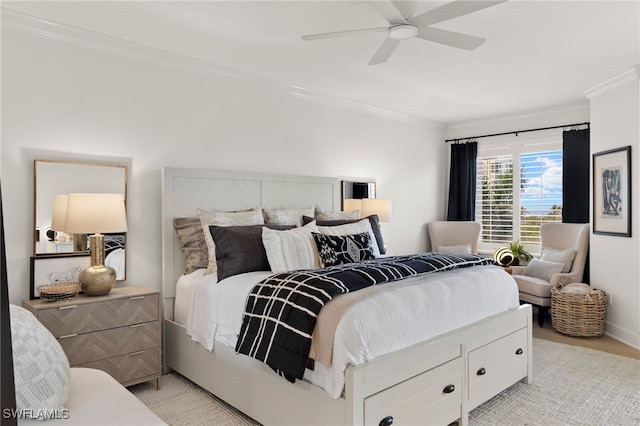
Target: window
518, 188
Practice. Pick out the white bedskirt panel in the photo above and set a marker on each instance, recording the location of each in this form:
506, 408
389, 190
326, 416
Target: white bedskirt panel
424, 307
212, 310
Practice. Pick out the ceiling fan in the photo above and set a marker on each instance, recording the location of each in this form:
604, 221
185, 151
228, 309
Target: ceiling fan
403, 27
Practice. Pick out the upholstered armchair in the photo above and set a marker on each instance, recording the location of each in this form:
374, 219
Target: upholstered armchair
454, 236
563, 258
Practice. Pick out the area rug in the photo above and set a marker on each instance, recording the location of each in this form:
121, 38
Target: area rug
571, 386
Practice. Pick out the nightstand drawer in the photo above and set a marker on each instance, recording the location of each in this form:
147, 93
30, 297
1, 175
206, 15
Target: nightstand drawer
70, 318
83, 348
130, 367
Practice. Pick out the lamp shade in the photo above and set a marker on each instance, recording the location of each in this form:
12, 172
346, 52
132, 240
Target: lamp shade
59, 215
351, 204
378, 206
95, 213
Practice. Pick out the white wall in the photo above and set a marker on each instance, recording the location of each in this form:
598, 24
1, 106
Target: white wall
613, 109
64, 101
615, 118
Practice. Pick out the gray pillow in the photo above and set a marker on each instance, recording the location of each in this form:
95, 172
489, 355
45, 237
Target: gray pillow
542, 269
192, 243
560, 256
239, 249
41, 368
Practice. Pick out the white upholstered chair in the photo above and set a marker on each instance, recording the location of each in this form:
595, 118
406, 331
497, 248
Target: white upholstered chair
564, 243
447, 236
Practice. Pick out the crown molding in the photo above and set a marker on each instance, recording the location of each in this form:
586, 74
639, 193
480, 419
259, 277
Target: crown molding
619, 80
557, 112
28, 24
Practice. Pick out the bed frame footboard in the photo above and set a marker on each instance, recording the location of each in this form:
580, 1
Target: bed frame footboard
432, 382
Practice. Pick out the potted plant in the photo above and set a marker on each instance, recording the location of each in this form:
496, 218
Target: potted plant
517, 248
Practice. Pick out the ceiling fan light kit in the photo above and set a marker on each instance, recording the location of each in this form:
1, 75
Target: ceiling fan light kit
402, 27
403, 31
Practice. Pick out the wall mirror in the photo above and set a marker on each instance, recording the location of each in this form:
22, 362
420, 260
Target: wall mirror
54, 177
357, 190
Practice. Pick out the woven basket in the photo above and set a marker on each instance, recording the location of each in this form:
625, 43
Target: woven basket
59, 291
578, 314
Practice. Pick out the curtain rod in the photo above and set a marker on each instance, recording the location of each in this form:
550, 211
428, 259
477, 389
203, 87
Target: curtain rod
515, 132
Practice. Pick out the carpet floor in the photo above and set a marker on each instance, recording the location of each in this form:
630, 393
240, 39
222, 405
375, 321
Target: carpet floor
571, 386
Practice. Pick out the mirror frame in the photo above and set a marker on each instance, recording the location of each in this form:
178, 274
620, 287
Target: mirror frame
357, 189
38, 232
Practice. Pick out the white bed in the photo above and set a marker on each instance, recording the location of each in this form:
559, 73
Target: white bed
428, 374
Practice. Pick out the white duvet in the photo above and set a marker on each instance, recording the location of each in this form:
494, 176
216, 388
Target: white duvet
427, 306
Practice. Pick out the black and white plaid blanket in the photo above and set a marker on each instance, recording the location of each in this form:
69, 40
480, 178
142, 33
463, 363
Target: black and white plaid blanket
281, 311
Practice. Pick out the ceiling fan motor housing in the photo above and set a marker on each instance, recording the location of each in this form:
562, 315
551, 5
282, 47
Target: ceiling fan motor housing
403, 31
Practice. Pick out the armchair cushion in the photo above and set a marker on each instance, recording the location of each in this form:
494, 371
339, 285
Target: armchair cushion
543, 269
533, 286
560, 256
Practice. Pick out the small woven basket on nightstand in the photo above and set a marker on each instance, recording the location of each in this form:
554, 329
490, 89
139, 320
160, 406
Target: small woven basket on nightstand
58, 291
578, 310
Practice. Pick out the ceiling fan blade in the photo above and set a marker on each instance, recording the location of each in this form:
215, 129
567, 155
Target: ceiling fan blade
450, 38
343, 33
452, 10
406, 8
388, 11
384, 51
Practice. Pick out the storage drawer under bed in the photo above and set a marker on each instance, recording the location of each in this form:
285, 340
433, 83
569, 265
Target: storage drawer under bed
433, 397
496, 366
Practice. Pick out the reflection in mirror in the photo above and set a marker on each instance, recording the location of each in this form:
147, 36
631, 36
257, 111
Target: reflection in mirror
357, 190
57, 178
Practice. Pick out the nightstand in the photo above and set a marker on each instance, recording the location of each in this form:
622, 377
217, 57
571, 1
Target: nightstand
118, 333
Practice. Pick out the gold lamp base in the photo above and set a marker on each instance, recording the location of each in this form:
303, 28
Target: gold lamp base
97, 280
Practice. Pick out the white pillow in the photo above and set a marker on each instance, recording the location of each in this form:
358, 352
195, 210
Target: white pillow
336, 215
560, 256
209, 218
458, 249
40, 367
359, 227
292, 249
542, 269
287, 216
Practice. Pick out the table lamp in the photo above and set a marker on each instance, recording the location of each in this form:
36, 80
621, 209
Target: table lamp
351, 205
379, 206
96, 213
59, 223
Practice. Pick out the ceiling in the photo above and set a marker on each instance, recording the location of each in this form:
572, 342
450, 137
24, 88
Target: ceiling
537, 54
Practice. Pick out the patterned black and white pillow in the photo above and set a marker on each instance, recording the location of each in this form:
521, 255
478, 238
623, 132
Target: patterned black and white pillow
341, 249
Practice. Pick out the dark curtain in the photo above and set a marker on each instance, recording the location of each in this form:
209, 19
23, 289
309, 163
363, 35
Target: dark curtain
462, 181
7, 391
575, 180
575, 176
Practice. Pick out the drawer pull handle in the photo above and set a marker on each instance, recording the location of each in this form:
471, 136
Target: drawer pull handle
67, 307
449, 389
519, 351
481, 371
136, 325
67, 336
136, 298
136, 353
387, 421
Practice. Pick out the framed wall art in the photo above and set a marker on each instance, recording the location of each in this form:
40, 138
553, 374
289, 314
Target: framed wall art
612, 192
51, 269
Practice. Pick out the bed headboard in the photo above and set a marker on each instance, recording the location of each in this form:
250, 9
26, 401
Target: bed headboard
184, 190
